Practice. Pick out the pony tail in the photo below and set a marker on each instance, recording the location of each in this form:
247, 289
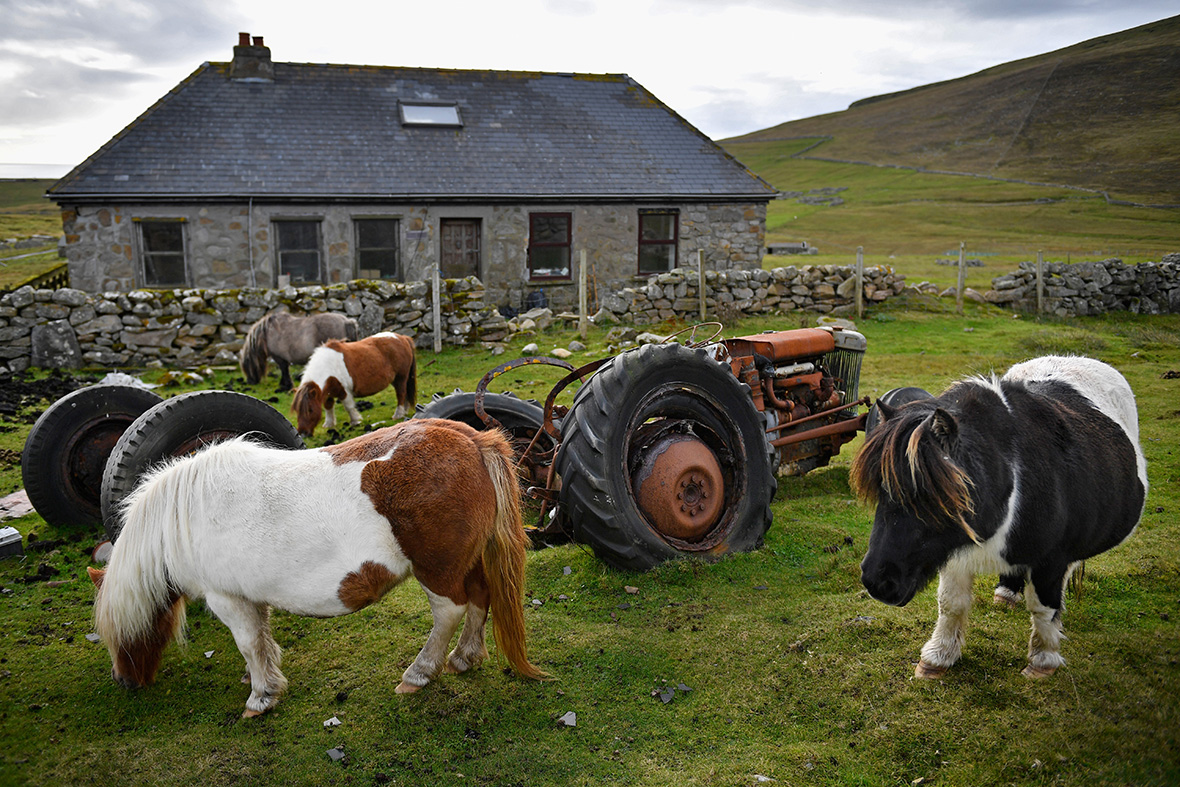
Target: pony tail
412, 382
254, 357
504, 555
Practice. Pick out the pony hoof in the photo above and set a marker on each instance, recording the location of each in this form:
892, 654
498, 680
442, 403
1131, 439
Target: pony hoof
1036, 673
250, 714
406, 688
1006, 598
928, 671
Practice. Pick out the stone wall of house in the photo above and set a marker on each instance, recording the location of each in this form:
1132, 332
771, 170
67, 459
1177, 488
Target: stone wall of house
231, 246
69, 328
1085, 288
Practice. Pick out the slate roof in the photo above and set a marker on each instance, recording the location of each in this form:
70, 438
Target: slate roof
335, 132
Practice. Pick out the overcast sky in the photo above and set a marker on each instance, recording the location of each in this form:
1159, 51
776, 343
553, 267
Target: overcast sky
75, 72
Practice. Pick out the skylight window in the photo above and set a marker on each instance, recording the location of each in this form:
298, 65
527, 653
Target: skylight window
430, 114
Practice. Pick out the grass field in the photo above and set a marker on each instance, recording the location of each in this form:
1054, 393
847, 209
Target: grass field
906, 214
796, 676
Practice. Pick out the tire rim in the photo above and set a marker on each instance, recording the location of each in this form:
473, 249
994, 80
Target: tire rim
85, 456
672, 450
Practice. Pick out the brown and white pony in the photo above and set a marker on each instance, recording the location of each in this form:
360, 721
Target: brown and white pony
288, 339
342, 371
321, 533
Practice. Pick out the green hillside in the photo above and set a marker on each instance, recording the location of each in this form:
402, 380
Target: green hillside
1100, 115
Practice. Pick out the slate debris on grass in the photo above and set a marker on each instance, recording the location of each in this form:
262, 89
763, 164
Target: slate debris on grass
668, 693
336, 754
568, 719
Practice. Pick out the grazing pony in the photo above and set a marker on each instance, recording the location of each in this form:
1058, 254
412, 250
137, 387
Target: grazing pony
290, 339
345, 370
1023, 476
321, 533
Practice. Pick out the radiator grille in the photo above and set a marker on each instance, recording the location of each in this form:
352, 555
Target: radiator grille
844, 365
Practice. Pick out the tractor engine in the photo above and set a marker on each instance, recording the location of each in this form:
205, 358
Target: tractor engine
802, 380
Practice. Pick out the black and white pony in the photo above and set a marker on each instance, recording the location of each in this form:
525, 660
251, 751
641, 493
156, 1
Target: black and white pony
1023, 476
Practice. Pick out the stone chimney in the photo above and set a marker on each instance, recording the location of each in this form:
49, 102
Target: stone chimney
251, 61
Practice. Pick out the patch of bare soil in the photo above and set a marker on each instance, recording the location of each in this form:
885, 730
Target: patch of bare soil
24, 398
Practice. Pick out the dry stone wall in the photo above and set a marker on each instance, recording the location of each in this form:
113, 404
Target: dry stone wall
69, 328
1085, 288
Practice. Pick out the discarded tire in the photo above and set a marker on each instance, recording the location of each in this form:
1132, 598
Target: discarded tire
67, 449
521, 418
180, 426
663, 456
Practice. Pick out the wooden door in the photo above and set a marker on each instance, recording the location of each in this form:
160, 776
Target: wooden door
460, 248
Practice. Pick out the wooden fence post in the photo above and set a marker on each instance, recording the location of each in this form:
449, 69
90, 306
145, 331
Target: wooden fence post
701, 280
860, 282
962, 276
1040, 282
436, 309
583, 321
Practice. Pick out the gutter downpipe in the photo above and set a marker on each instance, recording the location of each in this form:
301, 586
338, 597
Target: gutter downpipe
250, 238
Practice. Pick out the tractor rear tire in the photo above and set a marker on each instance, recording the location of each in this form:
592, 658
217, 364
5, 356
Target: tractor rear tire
66, 451
664, 456
180, 426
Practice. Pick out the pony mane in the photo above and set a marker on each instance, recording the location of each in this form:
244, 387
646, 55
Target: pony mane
158, 516
905, 461
305, 403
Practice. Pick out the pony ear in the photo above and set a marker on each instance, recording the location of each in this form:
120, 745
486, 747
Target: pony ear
885, 411
96, 575
944, 426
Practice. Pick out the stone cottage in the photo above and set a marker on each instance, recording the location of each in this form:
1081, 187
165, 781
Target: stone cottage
254, 173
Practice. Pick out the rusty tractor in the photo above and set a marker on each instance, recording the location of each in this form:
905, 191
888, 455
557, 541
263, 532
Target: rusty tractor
672, 450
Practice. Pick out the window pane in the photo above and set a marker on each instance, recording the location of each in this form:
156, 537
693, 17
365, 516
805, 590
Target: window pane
300, 265
163, 270
550, 261
381, 233
163, 236
163, 253
299, 250
657, 226
430, 114
657, 258
298, 235
550, 229
377, 249
377, 264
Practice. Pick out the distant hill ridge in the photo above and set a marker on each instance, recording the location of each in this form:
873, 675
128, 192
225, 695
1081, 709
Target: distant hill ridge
1103, 114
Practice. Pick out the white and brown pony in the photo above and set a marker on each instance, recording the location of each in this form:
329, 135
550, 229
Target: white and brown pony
289, 339
321, 533
1024, 476
342, 371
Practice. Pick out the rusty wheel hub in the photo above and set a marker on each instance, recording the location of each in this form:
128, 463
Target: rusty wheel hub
679, 486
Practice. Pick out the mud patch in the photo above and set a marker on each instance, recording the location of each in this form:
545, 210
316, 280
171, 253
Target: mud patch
23, 398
